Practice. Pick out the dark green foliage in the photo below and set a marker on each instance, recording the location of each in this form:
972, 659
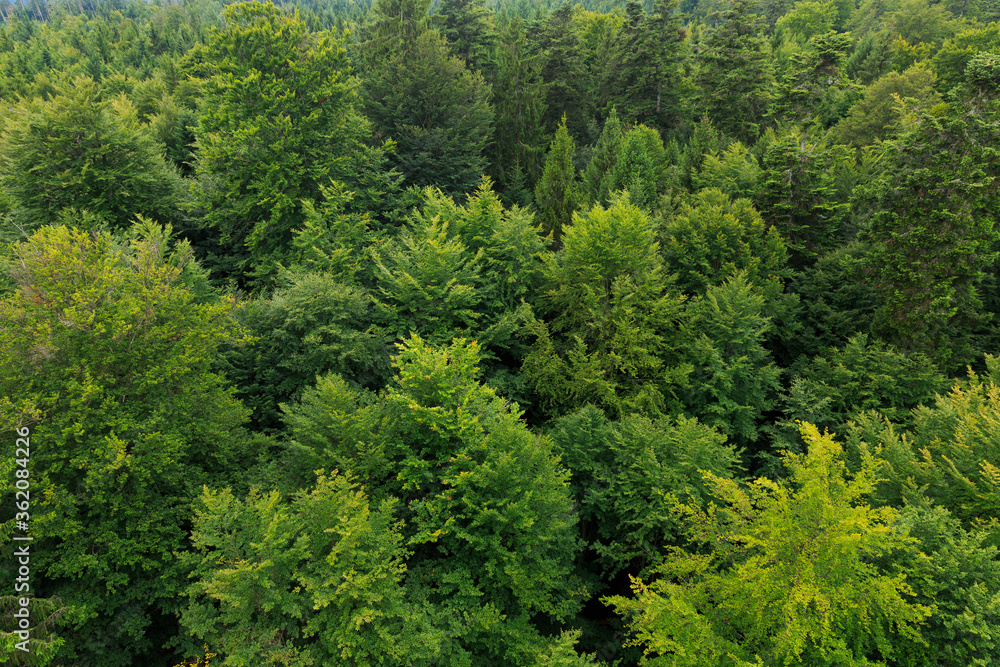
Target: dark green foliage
108, 354
77, 150
312, 325
799, 195
564, 73
934, 234
735, 72
642, 77
426, 100
518, 148
734, 381
627, 475
958, 576
470, 30
860, 376
814, 90
596, 178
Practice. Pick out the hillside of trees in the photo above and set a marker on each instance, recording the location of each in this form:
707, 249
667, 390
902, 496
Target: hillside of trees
451, 333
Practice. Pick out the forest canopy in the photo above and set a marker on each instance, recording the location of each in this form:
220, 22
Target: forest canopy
500, 332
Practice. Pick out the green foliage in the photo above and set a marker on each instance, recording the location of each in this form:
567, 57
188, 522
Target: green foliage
735, 73
556, 194
106, 345
860, 376
435, 109
878, 114
487, 510
639, 167
780, 574
627, 475
77, 150
614, 318
734, 381
279, 121
312, 324
642, 74
933, 235
813, 89
958, 576
736, 172
713, 238
470, 30
317, 580
799, 194
596, 183
519, 100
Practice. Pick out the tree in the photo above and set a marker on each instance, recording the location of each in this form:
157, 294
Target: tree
470, 30
279, 122
626, 476
734, 381
614, 318
314, 580
487, 512
519, 100
77, 150
642, 75
934, 233
714, 238
556, 194
105, 346
878, 114
800, 197
735, 74
426, 100
781, 574
563, 70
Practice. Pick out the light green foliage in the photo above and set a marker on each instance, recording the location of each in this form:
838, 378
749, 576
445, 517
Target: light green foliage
735, 72
627, 475
734, 381
714, 238
781, 574
952, 450
278, 122
556, 194
736, 172
920, 22
800, 194
613, 318
106, 345
434, 108
934, 235
879, 113
953, 57
313, 581
807, 19
78, 150
488, 512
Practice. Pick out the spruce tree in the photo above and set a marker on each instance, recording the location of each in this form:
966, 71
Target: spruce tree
556, 194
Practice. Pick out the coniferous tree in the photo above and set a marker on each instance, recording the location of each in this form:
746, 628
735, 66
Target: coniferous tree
556, 194
735, 72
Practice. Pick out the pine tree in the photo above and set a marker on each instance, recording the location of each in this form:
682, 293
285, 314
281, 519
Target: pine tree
735, 72
556, 194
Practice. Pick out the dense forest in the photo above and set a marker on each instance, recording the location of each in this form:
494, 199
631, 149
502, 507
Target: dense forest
505, 333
